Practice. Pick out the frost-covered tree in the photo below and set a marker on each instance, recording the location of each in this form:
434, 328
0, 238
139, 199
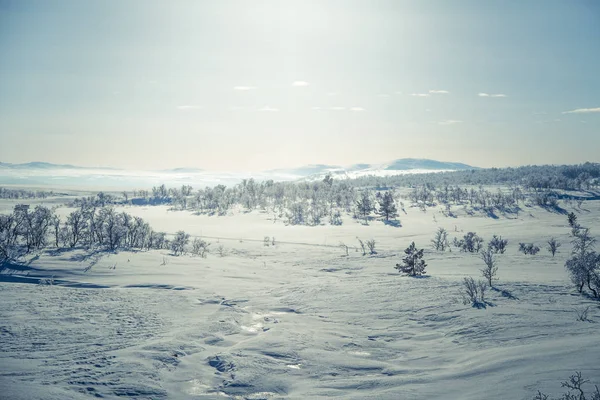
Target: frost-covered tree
364, 205
440, 240
412, 263
584, 264
387, 206
75, 227
179, 242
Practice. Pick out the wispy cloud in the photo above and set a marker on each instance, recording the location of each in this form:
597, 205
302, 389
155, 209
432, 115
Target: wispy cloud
449, 122
338, 108
439, 92
583, 111
492, 95
244, 88
189, 107
420, 94
268, 109
317, 108
300, 83
357, 109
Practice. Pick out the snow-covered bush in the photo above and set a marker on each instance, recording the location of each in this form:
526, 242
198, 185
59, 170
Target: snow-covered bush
470, 243
528, 248
497, 244
200, 247
474, 292
371, 246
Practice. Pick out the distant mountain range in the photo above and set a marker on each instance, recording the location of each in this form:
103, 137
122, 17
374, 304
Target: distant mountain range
403, 164
45, 165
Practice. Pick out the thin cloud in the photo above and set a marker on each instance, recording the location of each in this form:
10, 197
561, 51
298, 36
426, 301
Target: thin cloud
244, 88
492, 95
300, 83
268, 109
420, 94
189, 107
337, 108
583, 111
449, 122
317, 108
439, 92
357, 109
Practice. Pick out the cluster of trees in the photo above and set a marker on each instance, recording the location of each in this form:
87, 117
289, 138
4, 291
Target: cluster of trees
15, 194
296, 203
429, 195
26, 230
100, 199
563, 177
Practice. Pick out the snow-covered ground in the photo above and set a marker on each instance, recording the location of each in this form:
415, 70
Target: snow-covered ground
299, 319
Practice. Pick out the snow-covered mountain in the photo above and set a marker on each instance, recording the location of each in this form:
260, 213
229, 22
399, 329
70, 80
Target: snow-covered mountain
42, 173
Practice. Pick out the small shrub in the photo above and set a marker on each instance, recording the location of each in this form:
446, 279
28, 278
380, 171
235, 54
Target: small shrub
362, 246
582, 315
528, 248
200, 247
497, 244
474, 292
371, 246
470, 243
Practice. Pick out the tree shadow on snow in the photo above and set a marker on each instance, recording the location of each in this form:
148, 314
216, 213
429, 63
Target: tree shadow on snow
505, 293
394, 223
555, 209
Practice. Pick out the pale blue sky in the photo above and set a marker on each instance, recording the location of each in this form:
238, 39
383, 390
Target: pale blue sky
253, 85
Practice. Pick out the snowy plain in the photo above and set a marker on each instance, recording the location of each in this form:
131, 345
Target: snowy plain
298, 319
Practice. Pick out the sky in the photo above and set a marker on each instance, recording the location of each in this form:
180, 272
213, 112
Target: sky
255, 85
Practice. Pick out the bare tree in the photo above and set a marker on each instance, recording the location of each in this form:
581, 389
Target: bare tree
362, 246
553, 246
490, 270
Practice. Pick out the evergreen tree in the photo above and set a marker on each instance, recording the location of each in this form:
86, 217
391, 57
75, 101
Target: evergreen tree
413, 263
364, 205
387, 206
